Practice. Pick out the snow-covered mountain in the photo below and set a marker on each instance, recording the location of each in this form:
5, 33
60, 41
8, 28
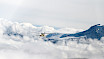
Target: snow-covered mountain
94, 32
22, 41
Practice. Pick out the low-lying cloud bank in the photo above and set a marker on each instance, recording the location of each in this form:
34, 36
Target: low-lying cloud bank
22, 41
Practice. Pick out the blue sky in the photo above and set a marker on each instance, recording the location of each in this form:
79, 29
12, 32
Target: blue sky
59, 13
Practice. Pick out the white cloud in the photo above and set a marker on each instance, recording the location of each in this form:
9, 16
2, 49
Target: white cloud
31, 46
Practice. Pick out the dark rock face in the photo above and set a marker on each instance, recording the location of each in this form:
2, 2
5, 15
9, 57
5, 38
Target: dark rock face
94, 32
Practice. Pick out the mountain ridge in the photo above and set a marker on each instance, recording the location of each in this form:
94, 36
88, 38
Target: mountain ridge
94, 32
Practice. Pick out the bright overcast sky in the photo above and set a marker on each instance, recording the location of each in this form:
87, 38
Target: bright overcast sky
58, 13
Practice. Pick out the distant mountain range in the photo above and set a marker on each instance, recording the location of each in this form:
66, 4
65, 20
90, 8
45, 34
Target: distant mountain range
94, 32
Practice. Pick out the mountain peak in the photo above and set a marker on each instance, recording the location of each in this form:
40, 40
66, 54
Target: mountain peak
94, 32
